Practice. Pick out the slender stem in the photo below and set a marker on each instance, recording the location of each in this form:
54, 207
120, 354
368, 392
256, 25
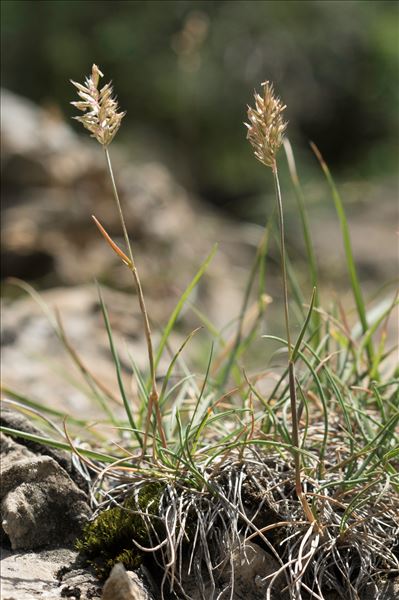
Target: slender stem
291, 363
283, 256
118, 203
153, 399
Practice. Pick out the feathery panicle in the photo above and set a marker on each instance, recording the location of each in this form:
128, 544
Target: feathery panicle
101, 116
266, 126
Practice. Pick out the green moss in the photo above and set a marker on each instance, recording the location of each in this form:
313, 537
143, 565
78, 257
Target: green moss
109, 538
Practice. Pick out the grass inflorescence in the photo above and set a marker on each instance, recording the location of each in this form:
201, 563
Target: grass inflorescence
300, 459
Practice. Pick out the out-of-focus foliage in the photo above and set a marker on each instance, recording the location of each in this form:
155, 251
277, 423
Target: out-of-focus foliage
185, 70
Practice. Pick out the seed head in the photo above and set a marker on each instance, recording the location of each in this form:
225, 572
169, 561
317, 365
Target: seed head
101, 116
266, 126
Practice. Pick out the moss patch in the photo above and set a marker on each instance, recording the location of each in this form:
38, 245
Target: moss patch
109, 538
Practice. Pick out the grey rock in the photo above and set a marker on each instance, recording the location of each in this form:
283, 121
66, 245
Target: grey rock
25, 361
80, 583
387, 589
247, 574
11, 451
14, 420
253, 569
124, 585
33, 575
40, 504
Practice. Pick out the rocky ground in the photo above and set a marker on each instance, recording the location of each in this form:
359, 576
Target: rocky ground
44, 503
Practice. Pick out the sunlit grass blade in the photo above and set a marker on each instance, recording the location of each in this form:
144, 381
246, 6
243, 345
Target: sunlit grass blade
118, 367
32, 413
100, 456
297, 294
391, 454
307, 236
357, 502
304, 327
207, 323
97, 388
169, 327
380, 318
178, 393
25, 400
142, 388
356, 289
201, 393
235, 347
322, 398
278, 425
375, 447
257, 264
172, 364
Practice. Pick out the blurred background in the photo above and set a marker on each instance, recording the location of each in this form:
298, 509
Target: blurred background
185, 71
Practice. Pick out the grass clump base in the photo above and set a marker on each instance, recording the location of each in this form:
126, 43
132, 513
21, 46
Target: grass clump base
187, 533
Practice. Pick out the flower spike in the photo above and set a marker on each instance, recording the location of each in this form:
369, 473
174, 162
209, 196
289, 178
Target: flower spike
101, 116
266, 126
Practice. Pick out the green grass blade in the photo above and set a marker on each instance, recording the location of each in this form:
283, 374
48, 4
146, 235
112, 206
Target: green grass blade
297, 294
143, 391
357, 292
100, 456
180, 304
172, 364
41, 407
304, 327
56, 324
322, 398
310, 253
257, 264
376, 445
118, 367
213, 330
201, 393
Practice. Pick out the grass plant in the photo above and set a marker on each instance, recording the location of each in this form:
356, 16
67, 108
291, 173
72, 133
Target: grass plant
301, 458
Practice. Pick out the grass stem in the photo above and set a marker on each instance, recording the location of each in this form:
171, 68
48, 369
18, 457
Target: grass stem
153, 396
291, 363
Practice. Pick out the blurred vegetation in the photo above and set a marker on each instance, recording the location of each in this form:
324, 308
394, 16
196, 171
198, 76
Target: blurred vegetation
185, 70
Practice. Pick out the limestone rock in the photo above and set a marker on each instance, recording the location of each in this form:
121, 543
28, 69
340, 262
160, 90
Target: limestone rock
29, 341
253, 569
80, 583
15, 420
40, 504
33, 575
124, 585
10, 451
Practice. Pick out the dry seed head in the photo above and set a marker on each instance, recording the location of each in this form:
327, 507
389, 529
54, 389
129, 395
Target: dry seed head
266, 126
101, 116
